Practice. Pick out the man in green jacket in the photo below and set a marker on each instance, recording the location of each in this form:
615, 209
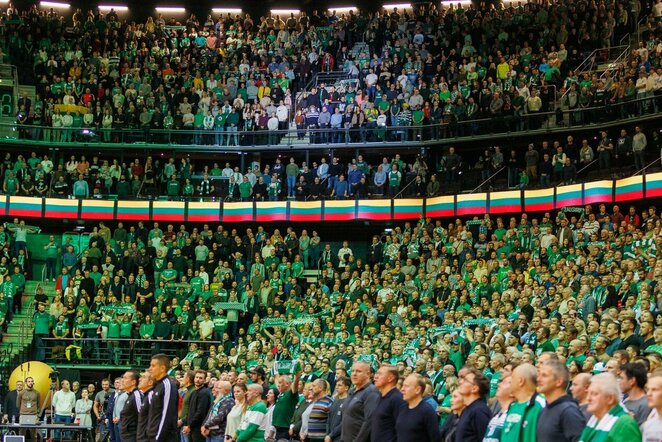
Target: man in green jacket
254, 423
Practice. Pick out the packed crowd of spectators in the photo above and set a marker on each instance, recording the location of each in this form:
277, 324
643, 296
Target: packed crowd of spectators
466, 308
559, 161
430, 70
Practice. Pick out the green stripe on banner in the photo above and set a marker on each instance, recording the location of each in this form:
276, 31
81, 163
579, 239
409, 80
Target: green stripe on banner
471, 204
305, 211
408, 209
339, 210
168, 211
271, 211
237, 212
569, 196
600, 192
654, 185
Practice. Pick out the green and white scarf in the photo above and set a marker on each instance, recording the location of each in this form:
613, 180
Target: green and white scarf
598, 430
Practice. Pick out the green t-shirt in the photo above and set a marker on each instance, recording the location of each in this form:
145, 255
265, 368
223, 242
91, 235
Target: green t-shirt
42, 323
254, 424
284, 409
522, 419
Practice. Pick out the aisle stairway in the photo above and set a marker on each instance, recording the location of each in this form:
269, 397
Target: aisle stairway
16, 341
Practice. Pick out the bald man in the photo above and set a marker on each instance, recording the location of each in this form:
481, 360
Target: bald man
579, 390
522, 417
216, 420
361, 403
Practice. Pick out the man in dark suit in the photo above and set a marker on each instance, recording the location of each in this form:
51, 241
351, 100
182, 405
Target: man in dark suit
199, 405
10, 408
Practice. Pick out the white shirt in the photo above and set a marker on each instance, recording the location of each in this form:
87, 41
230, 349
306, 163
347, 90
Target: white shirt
651, 430
64, 402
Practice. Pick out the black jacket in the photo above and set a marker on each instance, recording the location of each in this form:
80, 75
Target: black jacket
162, 417
560, 421
143, 415
198, 408
129, 416
357, 417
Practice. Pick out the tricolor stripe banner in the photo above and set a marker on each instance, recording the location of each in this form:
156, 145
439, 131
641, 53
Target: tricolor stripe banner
133, 210
506, 202
539, 200
25, 206
305, 211
209, 212
471, 204
374, 209
234, 212
569, 196
408, 208
266, 211
631, 188
598, 192
339, 210
3, 205
440, 206
168, 211
61, 208
654, 185
97, 209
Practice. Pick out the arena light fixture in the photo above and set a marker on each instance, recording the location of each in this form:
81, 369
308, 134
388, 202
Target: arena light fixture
122, 8
226, 10
285, 11
57, 5
397, 5
170, 9
455, 2
344, 9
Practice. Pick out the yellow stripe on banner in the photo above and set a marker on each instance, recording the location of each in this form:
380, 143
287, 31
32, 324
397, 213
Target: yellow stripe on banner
339, 204
25, 200
604, 184
442, 200
562, 190
176, 207
654, 177
541, 193
238, 206
61, 202
93, 204
269, 205
375, 203
507, 195
630, 181
144, 205
306, 205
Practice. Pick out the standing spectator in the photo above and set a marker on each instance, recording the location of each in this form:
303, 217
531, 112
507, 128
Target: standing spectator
315, 419
10, 408
129, 413
215, 422
605, 149
417, 421
561, 420
639, 144
334, 424
632, 381
522, 417
199, 405
531, 159
64, 401
394, 180
388, 408
504, 397
118, 405
28, 402
253, 425
361, 403
579, 390
162, 417
285, 404
610, 421
652, 428
474, 387
291, 172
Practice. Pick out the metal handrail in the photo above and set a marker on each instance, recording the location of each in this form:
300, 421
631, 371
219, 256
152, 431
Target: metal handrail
580, 69
587, 166
404, 188
647, 166
489, 179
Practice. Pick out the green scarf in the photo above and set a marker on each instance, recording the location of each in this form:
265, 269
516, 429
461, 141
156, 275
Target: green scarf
599, 430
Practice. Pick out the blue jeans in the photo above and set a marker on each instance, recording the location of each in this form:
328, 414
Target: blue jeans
183, 437
214, 439
291, 182
60, 419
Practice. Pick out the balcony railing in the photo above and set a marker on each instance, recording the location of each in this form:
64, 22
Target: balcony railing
447, 131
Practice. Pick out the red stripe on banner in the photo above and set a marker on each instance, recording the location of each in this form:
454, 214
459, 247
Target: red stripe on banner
470, 210
378, 216
63, 215
576, 201
202, 218
167, 217
540, 207
653, 193
133, 216
338, 216
313, 217
402, 215
270, 218
509, 208
96, 215
24, 212
637, 194
237, 218
440, 213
